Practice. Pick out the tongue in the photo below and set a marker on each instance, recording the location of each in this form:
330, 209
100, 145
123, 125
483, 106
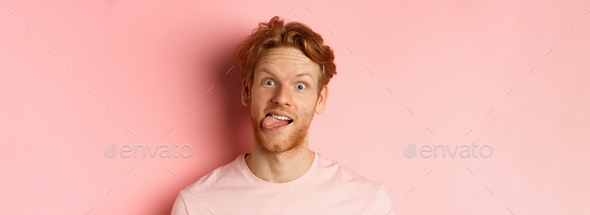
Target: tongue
270, 122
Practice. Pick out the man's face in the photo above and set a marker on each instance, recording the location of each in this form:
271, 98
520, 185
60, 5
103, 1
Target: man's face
285, 84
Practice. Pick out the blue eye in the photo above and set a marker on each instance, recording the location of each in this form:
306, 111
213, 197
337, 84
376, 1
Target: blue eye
269, 81
301, 86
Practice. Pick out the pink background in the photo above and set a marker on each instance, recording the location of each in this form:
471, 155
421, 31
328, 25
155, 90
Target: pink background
150, 62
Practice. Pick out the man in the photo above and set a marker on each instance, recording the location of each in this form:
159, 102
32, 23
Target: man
285, 72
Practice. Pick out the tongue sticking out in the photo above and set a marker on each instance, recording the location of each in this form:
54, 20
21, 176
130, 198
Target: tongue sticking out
270, 122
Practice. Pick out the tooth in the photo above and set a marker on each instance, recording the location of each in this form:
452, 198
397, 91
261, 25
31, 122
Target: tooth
280, 117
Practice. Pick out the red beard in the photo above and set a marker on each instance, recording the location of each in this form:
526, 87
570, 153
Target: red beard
294, 140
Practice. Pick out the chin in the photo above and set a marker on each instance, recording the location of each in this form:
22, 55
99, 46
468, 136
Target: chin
278, 148
277, 142
285, 139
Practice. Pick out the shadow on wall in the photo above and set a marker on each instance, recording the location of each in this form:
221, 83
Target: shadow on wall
235, 123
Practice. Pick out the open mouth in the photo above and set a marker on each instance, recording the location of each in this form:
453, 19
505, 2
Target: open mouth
273, 121
280, 118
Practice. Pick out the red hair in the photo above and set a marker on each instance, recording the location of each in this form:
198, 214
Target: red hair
276, 33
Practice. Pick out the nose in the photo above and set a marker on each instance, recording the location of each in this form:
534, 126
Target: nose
283, 96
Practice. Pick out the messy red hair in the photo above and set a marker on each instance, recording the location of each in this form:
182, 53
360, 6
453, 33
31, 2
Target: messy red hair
276, 33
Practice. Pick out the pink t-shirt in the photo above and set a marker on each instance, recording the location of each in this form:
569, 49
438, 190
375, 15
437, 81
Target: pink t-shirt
326, 188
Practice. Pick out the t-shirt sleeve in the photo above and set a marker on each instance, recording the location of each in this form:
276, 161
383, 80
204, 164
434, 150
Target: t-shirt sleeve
383, 204
179, 207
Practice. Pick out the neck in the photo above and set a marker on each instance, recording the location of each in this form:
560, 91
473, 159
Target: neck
280, 167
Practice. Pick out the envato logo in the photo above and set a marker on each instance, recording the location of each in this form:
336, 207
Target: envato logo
465, 152
165, 151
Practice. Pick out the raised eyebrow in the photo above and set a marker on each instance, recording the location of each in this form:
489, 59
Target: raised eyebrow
298, 75
304, 74
264, 70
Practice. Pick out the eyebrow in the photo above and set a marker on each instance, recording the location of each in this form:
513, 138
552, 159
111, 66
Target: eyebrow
298, 75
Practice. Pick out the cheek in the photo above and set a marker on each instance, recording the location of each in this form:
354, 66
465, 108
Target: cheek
306, 105
257, 96
259, 101
309, 100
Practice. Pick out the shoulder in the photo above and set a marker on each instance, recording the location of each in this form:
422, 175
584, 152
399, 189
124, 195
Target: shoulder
222, 176
367, 195
337, 173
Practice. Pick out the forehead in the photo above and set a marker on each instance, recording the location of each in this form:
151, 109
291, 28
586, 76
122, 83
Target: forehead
286, 58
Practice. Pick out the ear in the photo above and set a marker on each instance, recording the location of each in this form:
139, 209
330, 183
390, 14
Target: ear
246, 93
322, 100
